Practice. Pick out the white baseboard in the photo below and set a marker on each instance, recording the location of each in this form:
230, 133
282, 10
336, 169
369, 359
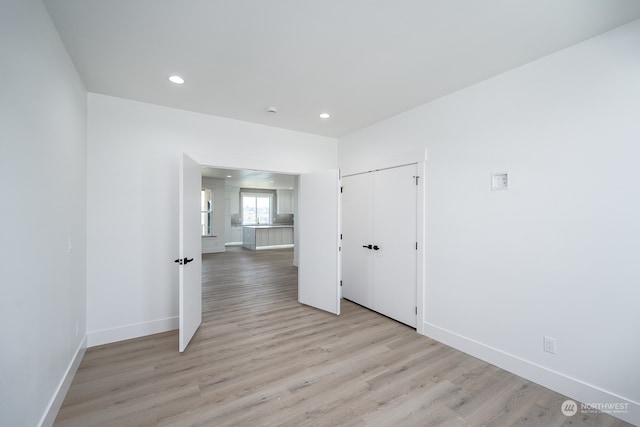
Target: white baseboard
53, 408
573, 388
126, 332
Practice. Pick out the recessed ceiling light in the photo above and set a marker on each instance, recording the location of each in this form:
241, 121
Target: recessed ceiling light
325, 115
229, 176
176, 79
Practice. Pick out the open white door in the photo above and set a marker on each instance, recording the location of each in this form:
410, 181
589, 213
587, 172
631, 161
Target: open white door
318, 275
190, 261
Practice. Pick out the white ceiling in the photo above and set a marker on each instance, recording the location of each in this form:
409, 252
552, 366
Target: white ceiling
360, 60
250, 178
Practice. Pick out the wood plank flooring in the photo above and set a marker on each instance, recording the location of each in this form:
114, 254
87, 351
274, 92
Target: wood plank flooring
262, 359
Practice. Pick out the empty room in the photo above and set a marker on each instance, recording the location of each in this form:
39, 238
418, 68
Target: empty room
350, 213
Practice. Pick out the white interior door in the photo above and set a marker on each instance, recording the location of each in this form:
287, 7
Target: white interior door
357, 239
394, 234
318, 259
190, 260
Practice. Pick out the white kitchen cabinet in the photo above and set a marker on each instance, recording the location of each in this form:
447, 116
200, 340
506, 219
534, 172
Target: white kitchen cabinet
236, 234
287, 236
379, 241
285, 201
233, 233
234, 199
275, 236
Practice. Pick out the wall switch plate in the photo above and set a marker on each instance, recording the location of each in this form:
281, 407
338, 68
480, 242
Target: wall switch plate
500, 181
549, 345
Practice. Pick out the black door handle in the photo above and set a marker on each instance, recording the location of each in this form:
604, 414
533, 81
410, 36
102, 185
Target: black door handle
366, 246
375, 247
187, 261
183, 261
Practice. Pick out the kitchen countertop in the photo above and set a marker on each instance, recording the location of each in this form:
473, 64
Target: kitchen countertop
268, 226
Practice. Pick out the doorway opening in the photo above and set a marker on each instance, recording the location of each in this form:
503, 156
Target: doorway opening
252, 209
252, 237
315, 246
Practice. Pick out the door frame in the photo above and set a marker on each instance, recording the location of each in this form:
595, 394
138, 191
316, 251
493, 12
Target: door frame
421, 216
296, 188
296, 176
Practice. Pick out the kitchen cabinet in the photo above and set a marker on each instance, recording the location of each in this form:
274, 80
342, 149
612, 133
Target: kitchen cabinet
236, 233
379, 264
233, 225
285, 201
267, 236
234, 199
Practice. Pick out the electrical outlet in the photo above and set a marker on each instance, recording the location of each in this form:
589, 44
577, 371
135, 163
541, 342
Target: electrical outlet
500, 181
549, 345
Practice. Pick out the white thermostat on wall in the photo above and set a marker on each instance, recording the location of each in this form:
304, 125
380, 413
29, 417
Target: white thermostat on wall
500, 181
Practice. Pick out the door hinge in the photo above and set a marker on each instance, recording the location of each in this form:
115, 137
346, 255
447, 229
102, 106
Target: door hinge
416, 177
416, 310
416, 246
340, 236
340, 282
341, 189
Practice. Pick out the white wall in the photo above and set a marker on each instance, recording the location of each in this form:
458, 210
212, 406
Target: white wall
43, 204
133, 156
558, 253
216, 244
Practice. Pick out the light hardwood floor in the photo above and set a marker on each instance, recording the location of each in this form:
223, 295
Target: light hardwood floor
262, 359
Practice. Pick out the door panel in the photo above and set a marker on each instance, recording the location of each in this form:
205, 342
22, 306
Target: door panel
394, 232
318, 279
357, 223
190, 276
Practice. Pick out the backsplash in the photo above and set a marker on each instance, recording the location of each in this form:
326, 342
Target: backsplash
279, 219
283, 219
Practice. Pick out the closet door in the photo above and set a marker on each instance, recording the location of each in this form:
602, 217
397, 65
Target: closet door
357, 223
394, 233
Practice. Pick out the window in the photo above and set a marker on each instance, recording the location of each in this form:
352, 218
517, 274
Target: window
256, 209
206, 211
